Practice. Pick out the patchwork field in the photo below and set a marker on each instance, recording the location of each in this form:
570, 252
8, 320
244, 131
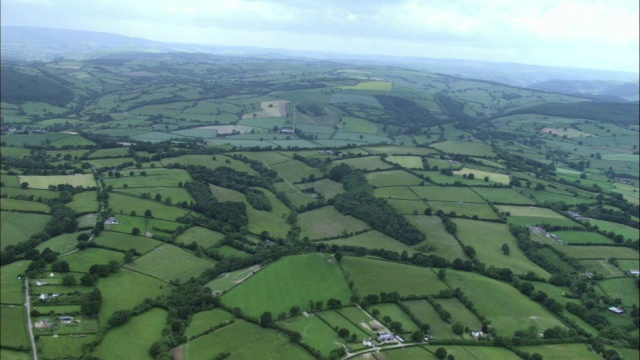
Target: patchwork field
17, 227
562, 351
58, 347
203, 237
327, 222
480, 175
599, 252
502, 196
24, 205
81, 261
372, 276
43, 182
126, 242
374, 240
315, 332
226, 281
205, 320
11, 291
14, 326
464, 148
392, 178
442, 243
440, 329
282, 285
168, 262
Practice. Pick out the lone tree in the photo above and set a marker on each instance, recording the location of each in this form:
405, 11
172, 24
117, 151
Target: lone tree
442, 274
135, 231
505, 249
441, 353
266, 319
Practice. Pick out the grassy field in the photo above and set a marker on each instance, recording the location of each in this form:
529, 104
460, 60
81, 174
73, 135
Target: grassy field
374, 240
328, 188
11, 291
82, 260
327, 222
372, 276
464, 148
396, 314
396, 192
133, 339
168, 262
315, 332
138, 287
156, 177
36, 193
370, 85
599, 252
443, 243
84, 202
440, 329
506, 308
17, 227
562, 351
224, 194
205, 320
24, 205
6, 354
392, 178
14, 326
480, 175
624, 288
337, 321
364, 163
580, 237
626, 265
109, 153
504, 196
282, 285
529, 211
59, 347
460, 313
443, 193
273, 221
126, 242
407, 162
62, 243
176, 194
488, 238
408, 207
203, 237
479, 352
127, 204
244, 340
601, 267
208, 161
43, 182
418, 352
482, 211
294, 170
626, 231
226, 281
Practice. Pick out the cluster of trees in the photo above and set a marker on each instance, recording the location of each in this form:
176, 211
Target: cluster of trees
224, 216
19, 87
258, 199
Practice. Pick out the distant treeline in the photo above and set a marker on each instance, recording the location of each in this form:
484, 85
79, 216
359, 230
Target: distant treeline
18, 87
617, 113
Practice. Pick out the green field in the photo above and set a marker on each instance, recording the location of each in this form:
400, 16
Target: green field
133, 339
464, 148
126, 242
273, 221
440, 329
392, 178
24, 205
396, 314
226, 281
244, 340
17, 227
443, 193
62, 243
407, 162
580, 237
488, 238
315, 332
374, 240
480, 175
43, 182
282, 285
626, 231
502, 196
14, 326
126, 204
109, 153
563, 351
168, 262
203, 237
443, 243
174, 194
208, 161
328, 188
397, 192
84, 202
327, 222
529, 211
372, 276
625, 289
36, 193
506, 308
58, 347
482, 211
460, 313
11, 291
6, 354
155, 177
82, 260
599, 252
205, 320
365, 163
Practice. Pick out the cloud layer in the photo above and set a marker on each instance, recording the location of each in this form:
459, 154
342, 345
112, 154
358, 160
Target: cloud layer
578, 33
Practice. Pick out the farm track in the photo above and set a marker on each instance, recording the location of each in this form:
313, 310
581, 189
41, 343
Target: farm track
27, 305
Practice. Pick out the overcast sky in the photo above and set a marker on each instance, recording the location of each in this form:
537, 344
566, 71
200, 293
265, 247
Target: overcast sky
598, 34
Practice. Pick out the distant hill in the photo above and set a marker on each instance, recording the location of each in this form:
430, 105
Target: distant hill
623, 90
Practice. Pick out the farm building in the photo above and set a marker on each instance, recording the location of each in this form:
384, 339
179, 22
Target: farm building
383, 336
65, 319
111, 221
287, 131
476, 334
617, 310
634, 272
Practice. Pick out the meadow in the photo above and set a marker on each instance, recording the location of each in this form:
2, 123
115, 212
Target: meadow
157, 177
488, 238
43, 182
203, 237
244, 340
581, 237
126, 242
482, 211
226, 281
502, 196
396, 314
282, 285
11, 291
17, 227
439, 328
373, 240
57, 347
168, 262
599, 252
125, 204
624, 230
443, 193
442, 243
407, 162
623, 289
273, 221
396, 192
480, 175
327, 222
392, 178
205, 320
365, 163
460, 313
62, 243
84, 202
133, 339
315, 332
24, 205
562, 351
328, 188
464, 148
15, 191
14, 326
372, 276
81, 261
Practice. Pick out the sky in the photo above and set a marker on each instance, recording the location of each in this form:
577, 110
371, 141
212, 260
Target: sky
595, 34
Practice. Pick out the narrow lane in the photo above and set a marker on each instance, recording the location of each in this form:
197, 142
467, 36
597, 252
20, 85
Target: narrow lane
27, 304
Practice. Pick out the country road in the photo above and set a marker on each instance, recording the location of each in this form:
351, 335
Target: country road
27, 304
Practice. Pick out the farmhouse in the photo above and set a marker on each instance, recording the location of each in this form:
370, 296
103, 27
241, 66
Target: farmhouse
383, 336
634, 272
111, 221
617, 310
287, 131
477, 334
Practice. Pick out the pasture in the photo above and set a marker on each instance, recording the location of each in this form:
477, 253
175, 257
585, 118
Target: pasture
392, 178
625, 289
624, 230
224, 194
488, 238
203, 237
442, 243
11, 291
460, 313
244, 340
396, 192
563, 351
464, 148
126, 224
84, 202
294, 170
396, 314
155, 177
7, 354
226, 281
81, 261
139, 287
374, 240
479, 352
14, 191
133, 339
443, 193
126, 242
529, 211
59, 347
601, 267
599, 252
365, 163
370, 85
416, 352
174, 195
315, 332
440, 329
109, 153
43, 182
337, 321
14, 326
506, 308
211, 162
372, 276
18, 227
327, 222
125, 204
328, 188
205, 320
408, 207
407, 162
482, 211
62, 243
282, 285
168, 262
24, 205
502, 196
273, 221
479, 175
581, 237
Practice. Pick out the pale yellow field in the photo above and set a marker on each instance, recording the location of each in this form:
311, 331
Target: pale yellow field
571, 133
480, 175
43, 182
276, 108
228, 129
371, 85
